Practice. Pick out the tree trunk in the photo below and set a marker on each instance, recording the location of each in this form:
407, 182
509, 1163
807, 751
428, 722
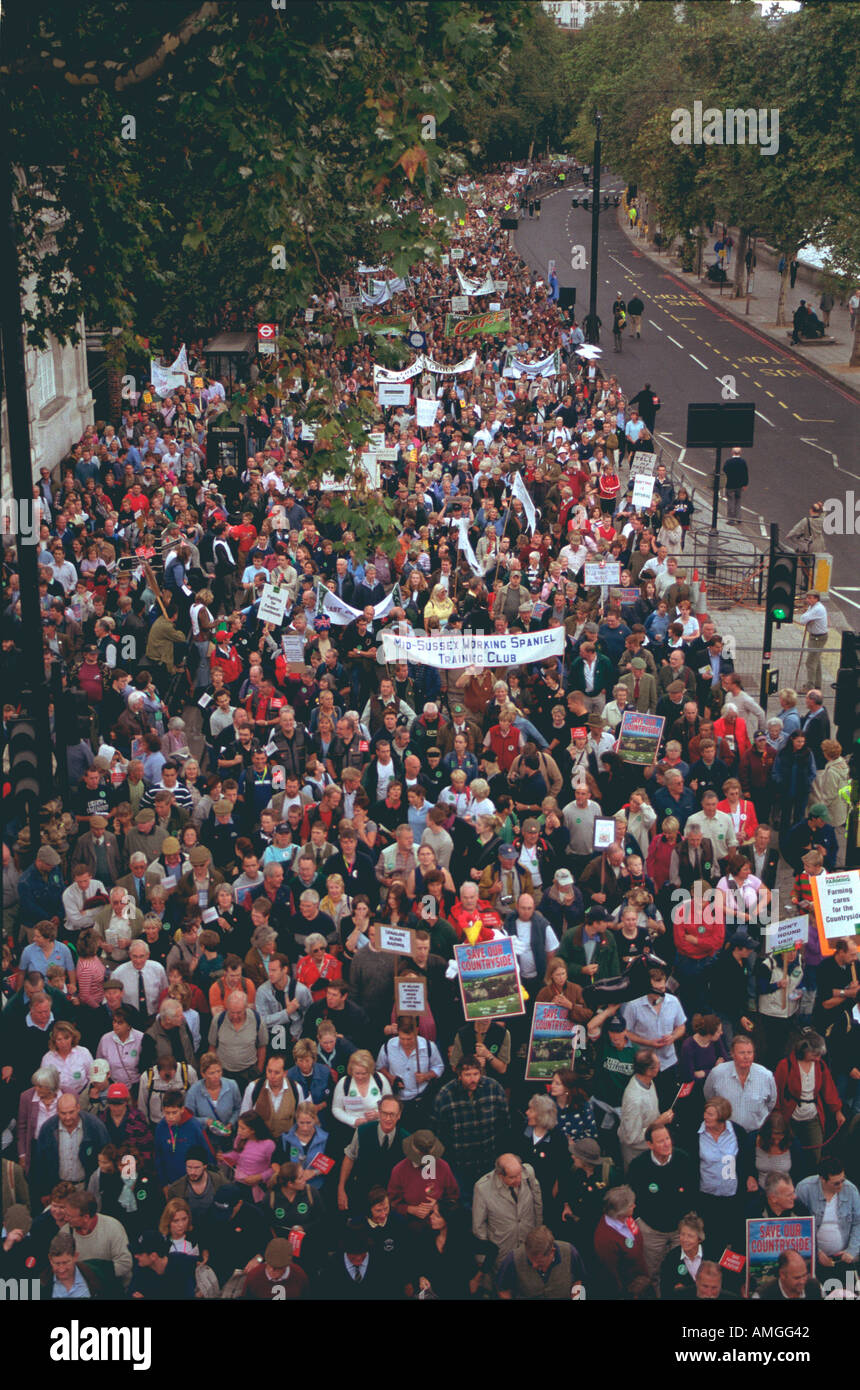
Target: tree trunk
531, 152
114, 383
740, 264
783, 288
854, 360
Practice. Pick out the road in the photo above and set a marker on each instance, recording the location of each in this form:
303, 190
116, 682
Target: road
690, 351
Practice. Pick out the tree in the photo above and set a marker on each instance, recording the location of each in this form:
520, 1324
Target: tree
189, 154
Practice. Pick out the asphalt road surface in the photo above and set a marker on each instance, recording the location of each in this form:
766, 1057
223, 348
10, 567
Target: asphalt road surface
806, 426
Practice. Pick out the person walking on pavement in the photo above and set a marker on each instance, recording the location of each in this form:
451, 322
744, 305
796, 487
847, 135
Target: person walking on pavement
825, 304
793, 268
853, 306
737, 479
636, 309
815, 622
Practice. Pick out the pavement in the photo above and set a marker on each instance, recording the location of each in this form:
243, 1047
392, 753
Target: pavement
695, 348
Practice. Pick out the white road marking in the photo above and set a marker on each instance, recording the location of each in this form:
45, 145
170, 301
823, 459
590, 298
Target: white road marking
696, 360
766, 420
655, 325
804, 439
675, 341
700, 471
843, 599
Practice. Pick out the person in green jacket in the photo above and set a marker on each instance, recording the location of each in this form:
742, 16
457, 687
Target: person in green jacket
163, 638
589, 950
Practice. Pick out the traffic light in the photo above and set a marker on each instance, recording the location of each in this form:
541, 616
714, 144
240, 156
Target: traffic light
586, 204
24, 759
847, 707
781, 587
586, 177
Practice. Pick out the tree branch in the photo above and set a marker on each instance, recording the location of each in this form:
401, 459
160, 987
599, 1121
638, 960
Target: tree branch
102, 73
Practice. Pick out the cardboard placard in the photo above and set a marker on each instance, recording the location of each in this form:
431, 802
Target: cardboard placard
552, 1042
273, 605
639, 738
837, 905
784, 936
411, 996
768, 1237
460, 304
596, 573
604, 833
396, 939
393, 392
293, 646
643, 490
489, 980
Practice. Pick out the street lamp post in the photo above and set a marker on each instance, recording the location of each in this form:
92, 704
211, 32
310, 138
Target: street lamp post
591, 327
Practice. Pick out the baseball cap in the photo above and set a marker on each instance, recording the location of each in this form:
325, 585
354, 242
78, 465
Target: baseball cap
279, 1253
616, 1024
151, 1243
819, 810
507, 852
530, 824
117, 1091
564, 878
742, 939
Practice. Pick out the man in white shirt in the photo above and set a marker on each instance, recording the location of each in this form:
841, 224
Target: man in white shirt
715, 825
78, 918
535, 942
410, 1063
815, 621
142, 980
658, 1021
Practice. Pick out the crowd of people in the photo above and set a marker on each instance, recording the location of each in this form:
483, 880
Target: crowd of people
207, 1088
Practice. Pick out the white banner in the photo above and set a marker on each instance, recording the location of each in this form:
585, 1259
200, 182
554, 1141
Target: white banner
370, 269
380, 296
519, 489
164, 380
342, 614
549, 366
597, 573
181, 363
425, 413
474, 649
425, 364
475, 287
465, 545
395, 286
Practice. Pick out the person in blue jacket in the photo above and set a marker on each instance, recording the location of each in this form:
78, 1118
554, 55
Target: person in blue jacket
176, 1132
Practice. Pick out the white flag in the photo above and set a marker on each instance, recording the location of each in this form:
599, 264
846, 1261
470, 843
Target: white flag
519, 489
465, 545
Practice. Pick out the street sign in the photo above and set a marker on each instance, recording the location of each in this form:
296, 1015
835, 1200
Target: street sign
267, 334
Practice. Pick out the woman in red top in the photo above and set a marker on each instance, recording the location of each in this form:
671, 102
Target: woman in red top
741, 811
609, 487
806, 1094
318, 967
504, 739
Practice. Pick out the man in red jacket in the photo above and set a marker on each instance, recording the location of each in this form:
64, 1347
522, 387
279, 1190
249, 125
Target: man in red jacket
699, 932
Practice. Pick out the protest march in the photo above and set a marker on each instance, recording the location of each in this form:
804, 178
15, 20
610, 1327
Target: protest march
429, 920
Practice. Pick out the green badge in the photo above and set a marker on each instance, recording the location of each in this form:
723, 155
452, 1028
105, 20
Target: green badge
280, 1213
340, 1071
653, 1187
76, 1075
301, 1207
629, 1242
141, 1196
494, 1048
682, 1269
701, 931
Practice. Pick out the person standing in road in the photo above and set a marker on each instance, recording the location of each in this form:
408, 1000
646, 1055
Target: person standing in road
815, 622
636, 309
737, 479
619, 322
